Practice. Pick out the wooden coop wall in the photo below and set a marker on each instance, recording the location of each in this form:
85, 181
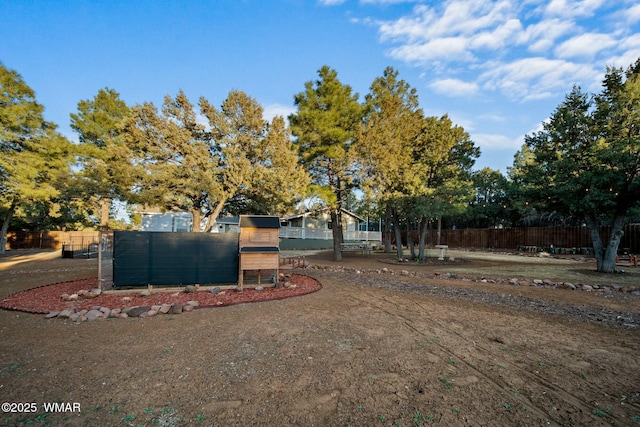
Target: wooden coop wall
259, 261
255, 237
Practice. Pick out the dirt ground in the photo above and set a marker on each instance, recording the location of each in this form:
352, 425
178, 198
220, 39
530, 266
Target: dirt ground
441, 344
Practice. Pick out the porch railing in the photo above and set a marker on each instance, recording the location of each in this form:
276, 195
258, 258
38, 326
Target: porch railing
323, 234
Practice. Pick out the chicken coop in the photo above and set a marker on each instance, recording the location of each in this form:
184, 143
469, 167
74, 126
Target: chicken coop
259, 249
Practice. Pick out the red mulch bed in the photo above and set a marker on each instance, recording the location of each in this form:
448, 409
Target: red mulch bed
46, 299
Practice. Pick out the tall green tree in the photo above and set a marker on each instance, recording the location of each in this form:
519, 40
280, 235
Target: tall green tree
386, 140
325, 126
261, 172
185, 165
490, 205
103, 155
33, 155
586, 160
446, 155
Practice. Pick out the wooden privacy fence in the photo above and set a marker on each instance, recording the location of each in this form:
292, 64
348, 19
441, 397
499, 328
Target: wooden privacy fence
51, 239
503, 238
538, 237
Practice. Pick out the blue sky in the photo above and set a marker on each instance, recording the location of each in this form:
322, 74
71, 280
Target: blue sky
498, 68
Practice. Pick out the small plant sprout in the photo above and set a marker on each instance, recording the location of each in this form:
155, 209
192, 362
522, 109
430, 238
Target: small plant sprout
455, 410
507, 405
382, 418
115, 409
417, 419
583, 375
129, 418
447, 384
148, 410
360, 408
452, 361
598, 413
421, 344
201, 417
373, 379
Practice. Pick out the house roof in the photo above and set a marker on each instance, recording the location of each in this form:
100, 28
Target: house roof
259, 221
300, 215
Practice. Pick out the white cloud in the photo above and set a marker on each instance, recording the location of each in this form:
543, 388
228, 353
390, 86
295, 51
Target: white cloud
585, 45
535, 78
541, 36
448, 49
633, 14
488, 141
272, 110
386, 1
458, 18
573, 8
454, 87
330, 2
497, 38
630, 52
526, 50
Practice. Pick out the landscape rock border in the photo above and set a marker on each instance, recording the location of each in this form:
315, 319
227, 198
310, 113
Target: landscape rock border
72, 301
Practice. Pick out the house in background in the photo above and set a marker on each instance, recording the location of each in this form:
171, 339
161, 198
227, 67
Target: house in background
153, 219
308, 230
229, 224
317, 225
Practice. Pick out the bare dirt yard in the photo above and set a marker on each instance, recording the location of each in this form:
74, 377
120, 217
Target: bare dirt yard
481, 340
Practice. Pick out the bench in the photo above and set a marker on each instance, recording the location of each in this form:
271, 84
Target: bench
361, 247
442, 248
627, 260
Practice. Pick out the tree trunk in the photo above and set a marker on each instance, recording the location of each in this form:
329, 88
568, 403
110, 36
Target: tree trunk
611, 252
105, 204
606, 256
336, 228
422, 227
5, 226
439, 232
197, 219
214, 215
387, 229
410, 243
396, 226
596, 241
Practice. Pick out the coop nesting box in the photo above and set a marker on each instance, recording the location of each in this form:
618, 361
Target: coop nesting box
259, 245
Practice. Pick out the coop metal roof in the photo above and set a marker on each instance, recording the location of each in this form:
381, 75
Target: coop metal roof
259, 221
